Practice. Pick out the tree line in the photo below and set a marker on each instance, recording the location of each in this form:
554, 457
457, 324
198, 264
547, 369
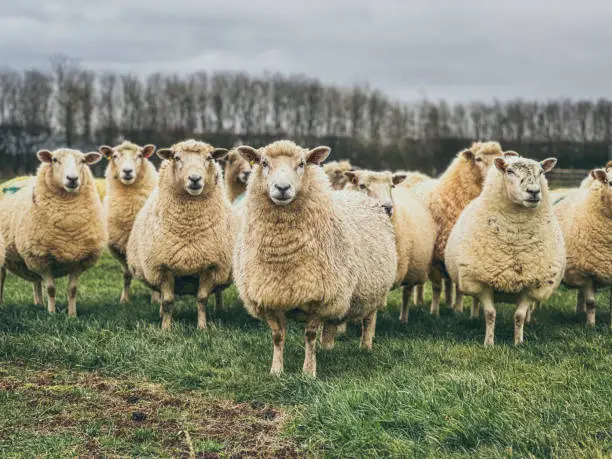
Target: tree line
70, 105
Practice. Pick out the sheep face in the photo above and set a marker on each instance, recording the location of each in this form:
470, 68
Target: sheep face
192, 166
378, 185
523, 179
68, 167
335, 172
281, 167
481, 156
127, 160
237, 169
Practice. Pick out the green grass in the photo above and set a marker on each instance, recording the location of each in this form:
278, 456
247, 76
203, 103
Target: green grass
429, 388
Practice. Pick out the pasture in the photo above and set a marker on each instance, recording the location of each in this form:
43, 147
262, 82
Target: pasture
112, 383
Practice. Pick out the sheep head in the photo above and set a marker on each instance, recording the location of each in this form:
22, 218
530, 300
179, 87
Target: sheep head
127, 160
335, 172
67, 169
481, 156
523, 179
377, 185
191, 166
237, 169
281, 168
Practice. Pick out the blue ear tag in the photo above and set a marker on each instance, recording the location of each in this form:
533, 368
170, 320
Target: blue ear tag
239, 198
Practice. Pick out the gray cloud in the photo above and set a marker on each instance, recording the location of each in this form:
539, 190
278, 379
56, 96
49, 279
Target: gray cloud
445, 49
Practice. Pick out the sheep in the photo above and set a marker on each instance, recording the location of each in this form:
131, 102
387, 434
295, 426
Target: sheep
335, 172
182, 239
413, 226
130, 178
446, 198
412, 178
507, 244
236, 175
55, 228
305, 248
588, 180
586, 223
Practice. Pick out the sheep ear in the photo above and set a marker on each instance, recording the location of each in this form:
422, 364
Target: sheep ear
92, 157
317, 155
352, 177
219, 153
600, 175
44, 156
249, 154
148, 150
398, 178
106, 151
548, 164
467, 154
510, 153
165, 153
501, 164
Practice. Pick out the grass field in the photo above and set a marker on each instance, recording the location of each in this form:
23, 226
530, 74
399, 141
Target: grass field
112, 383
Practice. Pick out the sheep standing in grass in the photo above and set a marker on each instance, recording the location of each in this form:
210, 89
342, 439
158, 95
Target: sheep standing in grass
236, 175
304, 248
130, 178
183, 237
55, 227
586, 223
446, 198
414, 228
335, 172
507, 244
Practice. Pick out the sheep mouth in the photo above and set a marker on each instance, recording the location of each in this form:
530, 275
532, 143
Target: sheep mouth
532, 202
128, 180
282, 200
71, 187
194, 190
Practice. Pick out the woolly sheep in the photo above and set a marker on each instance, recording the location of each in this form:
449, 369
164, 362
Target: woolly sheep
55, 227
130, 178
413, 226
586, 223
183, 237
335, 172
446, 198
507, 244
412, 178
302, 247
236, 175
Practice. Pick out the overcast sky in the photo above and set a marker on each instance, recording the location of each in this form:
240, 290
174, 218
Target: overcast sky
454, 49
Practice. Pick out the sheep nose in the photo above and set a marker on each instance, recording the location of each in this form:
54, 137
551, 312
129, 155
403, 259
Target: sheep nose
128, 171
533, 191
195, 178
388, 208
282, 188
72, 178
247, 174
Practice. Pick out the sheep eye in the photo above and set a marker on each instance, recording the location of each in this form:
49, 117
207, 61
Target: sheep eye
362, 186
393, 185
139, 155
510, 172
301, 164
478, 160
231, 161
264, 163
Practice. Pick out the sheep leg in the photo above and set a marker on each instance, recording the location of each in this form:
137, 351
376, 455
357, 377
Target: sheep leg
435, 298
167, 299
589, 299
127, 282
532, 307
50, 284
204, 289
486, 298
580, 302
310, 341
405, 311
419, 294
368, 328
38, 293
475, 312
458, 300
2, 279
218, 301
448, 291
73, 282
328, 335
278, 325
520, 315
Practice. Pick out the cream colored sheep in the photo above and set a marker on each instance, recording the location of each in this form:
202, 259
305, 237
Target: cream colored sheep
507, 244
183, 237
446, 198
55, 227
328, 255
412, 178
130, 179
413, 226
586, 223
335, 172
236, 175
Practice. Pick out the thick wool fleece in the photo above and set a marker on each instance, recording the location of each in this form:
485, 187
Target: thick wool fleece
329, 253
50, 230
586, 223
511, 248
188, 236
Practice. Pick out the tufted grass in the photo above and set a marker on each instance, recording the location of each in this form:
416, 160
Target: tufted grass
429, 388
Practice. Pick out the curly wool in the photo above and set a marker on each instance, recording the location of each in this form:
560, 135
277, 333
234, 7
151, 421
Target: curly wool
510, 248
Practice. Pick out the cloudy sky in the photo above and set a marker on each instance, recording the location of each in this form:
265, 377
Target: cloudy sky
454, 49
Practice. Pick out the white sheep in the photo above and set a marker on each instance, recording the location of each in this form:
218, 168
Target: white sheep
302, 247
236, 175
55, 227
507, 244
